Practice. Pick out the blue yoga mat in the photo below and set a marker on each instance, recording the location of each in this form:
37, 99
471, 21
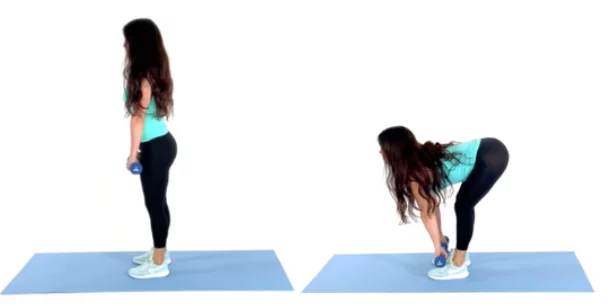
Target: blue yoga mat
189, 271
489, 272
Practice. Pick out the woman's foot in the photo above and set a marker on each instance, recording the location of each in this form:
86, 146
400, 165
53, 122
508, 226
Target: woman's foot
449, 272
141, 259
150, 270
456, 267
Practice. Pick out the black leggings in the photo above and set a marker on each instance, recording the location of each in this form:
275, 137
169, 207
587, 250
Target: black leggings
157, 156
491, 162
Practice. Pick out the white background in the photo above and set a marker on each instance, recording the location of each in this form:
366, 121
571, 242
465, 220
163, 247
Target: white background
278, 105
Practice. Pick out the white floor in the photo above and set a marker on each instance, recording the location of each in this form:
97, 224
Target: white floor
303, 247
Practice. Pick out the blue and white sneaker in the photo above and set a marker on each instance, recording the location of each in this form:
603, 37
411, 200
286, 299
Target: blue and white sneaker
449, 272
149, 270
141, 259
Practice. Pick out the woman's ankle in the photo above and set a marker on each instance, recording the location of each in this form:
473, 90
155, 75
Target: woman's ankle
458, 257
159, 256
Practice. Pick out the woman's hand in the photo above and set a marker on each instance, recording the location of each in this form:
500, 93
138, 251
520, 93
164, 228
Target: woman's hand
440, 251
131, 159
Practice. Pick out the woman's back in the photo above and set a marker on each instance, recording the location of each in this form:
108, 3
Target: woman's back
458, 171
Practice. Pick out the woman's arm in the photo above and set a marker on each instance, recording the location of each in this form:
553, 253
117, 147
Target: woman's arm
429, 220
137, 120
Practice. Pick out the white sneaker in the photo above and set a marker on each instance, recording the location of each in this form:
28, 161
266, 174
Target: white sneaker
449, 272
149, 270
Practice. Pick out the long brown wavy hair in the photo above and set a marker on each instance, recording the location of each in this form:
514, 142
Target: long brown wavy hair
407, 160
146, 58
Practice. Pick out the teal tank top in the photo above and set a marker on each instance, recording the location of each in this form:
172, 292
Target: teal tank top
458, 172
153, 127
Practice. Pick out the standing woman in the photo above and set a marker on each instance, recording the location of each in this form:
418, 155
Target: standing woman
148, 102
418, 175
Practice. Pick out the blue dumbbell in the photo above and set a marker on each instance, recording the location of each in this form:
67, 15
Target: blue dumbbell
440, 260
136, 168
